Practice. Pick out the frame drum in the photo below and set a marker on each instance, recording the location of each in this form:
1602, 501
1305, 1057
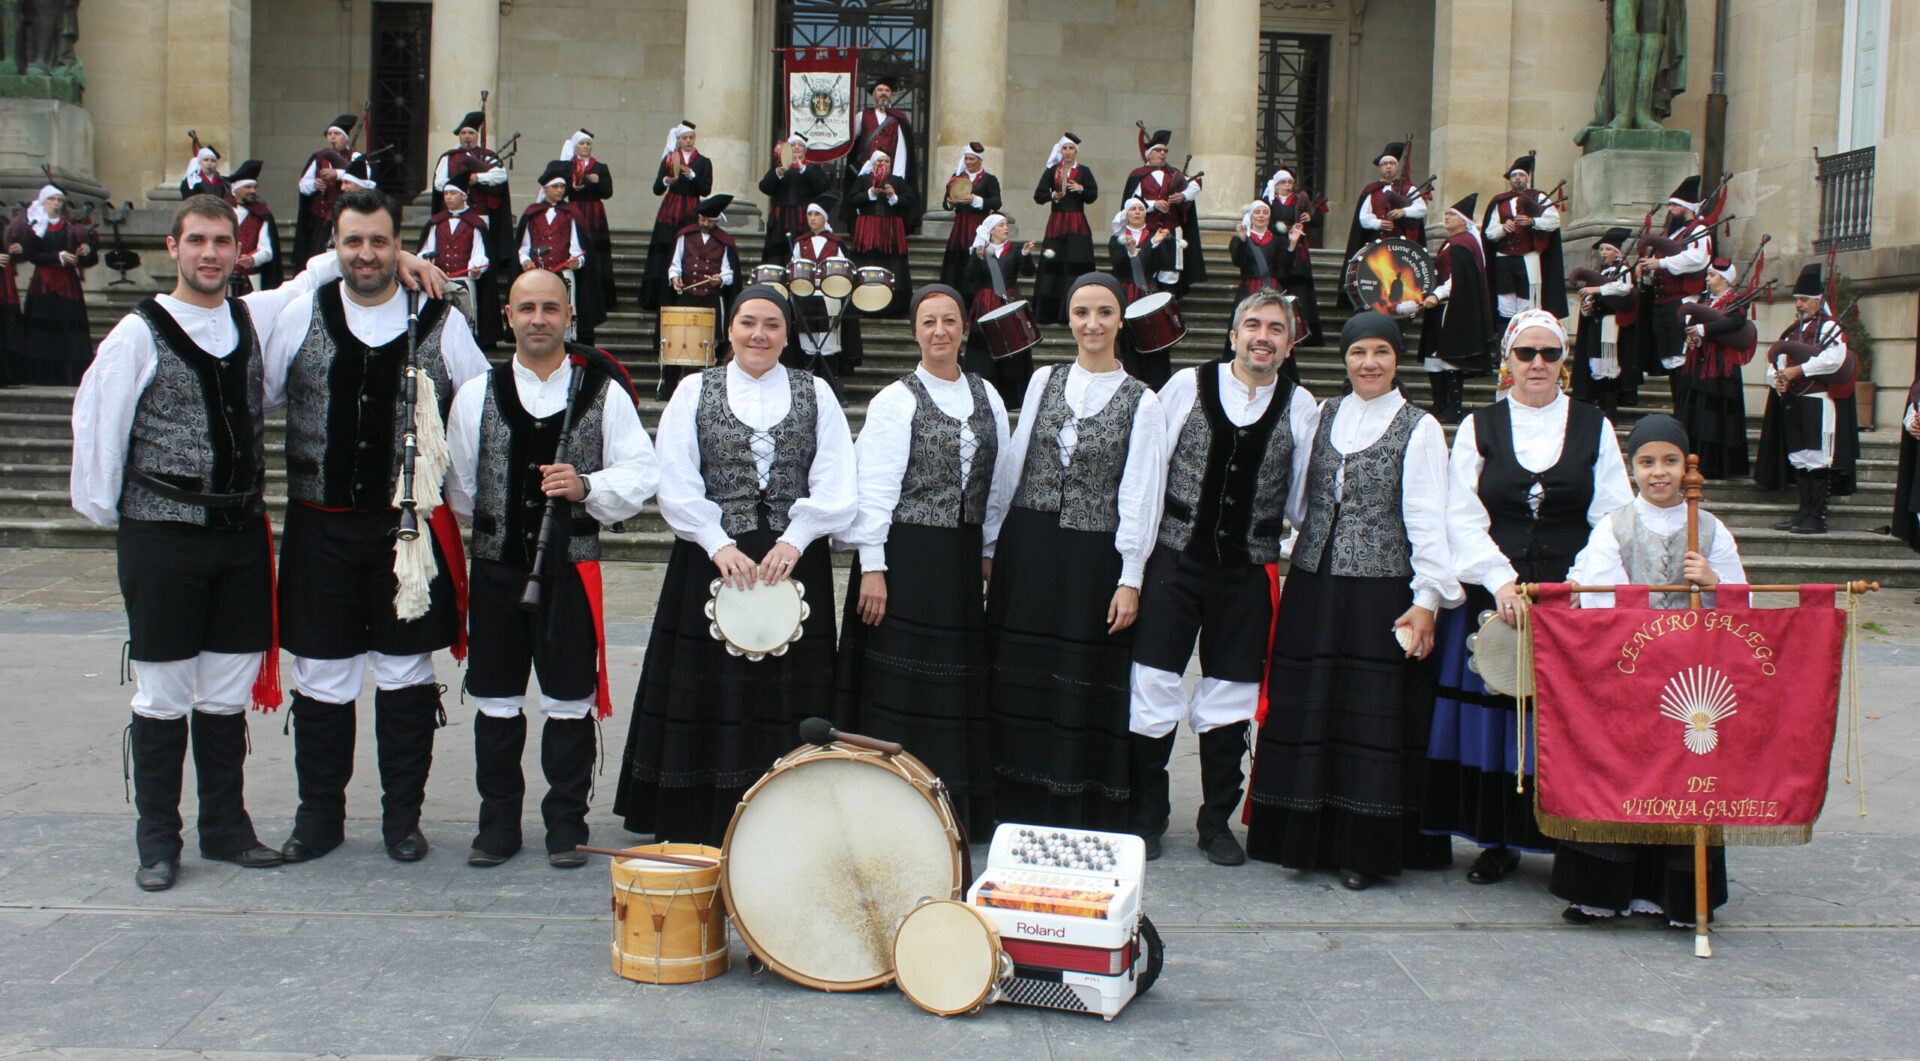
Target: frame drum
1155, 322
1009, 329
874, 290
960, 190
827, 852
1494, 654
1390, 275
802, 274
669, 926
758, 622
834, 277
948, 960
771, 275
686, 335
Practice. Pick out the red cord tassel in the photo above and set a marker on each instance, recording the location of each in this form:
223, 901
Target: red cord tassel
266, 684
446, 531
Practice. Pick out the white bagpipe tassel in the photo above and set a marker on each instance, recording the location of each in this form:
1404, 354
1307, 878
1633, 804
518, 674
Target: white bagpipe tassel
413, 562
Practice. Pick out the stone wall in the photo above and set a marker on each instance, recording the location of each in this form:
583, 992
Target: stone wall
311, 63
126, 81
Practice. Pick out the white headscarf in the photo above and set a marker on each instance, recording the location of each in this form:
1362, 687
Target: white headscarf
1729, 274
561, 181
673, 138
960, 166
202, 155
1246, 215
37, 216
1120, 219
868, 168
1053, 159
983, 236
1273, 182
571, 148
815, 208
1530, 318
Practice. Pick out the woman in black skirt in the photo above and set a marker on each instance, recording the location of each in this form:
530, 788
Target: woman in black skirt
1340, 763
1528, 478
756, 472
994, 266
58, 345
1081, 486
914, 655
1713, 399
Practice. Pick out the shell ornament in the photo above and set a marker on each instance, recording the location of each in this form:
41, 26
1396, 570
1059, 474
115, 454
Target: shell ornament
1699, 698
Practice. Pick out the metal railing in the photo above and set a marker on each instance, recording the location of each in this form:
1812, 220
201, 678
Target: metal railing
1846, 201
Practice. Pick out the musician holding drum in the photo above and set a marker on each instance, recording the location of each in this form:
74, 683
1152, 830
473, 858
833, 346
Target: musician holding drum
756, 472
1065, 189
1810, 431
551, 237
1528, 479
828, 342
1139, 257
340, 359
1459, 325
993, 277
704, 274
881, 204
685, 177
915, 659
455, 239
973, 195
1085, 472
546, 449
330, 173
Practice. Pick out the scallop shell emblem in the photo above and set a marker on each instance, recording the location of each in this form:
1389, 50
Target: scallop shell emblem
1699, 698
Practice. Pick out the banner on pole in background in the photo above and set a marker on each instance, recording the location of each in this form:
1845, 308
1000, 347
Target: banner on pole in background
1653, 722
821, 94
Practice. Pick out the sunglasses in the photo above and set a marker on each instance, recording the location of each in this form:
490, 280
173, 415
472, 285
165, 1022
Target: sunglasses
1528, 353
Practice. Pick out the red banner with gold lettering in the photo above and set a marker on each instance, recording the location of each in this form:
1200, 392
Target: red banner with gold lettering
1652, 722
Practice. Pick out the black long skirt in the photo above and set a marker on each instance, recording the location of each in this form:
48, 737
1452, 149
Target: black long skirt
58, 346
1059, 691
920, 677
706, 725
1612, 876
1340, 764
1714, 412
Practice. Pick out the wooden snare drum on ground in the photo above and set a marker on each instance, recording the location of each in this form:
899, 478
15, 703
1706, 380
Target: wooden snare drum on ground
669, 926
1010, 329
834, 278
802, 276
948, 960
757, 622
771, 275
827, 852
1155, 322
686, 335
873, 290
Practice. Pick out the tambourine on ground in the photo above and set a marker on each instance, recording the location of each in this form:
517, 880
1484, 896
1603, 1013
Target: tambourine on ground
1391, 276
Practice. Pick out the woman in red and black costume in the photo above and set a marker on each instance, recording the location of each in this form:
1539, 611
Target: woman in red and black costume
968, 213
1066, 187
1294, 210
1713, 400
58, 343
994, 267
679, 197
882, 202
589, 186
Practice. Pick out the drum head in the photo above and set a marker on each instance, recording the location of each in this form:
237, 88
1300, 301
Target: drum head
875, 291
826, 853
1009, 310
946, 957
1494, 653
1148, 305
960, 189
758, 622
836, 285
1390, 275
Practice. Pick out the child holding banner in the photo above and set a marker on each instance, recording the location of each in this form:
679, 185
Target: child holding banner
1644, 543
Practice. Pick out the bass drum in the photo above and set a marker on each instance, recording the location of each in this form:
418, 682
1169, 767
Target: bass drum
827, 852
1391, 276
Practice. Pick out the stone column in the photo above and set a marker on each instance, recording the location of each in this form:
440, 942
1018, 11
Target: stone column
718, 98
209, 80
1221, 116
464, 60
1472, 78
969, 88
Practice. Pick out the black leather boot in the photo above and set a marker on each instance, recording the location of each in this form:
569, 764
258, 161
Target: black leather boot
1814, 520
1799, 481
403, 725
1437, 386
219, 769
566, 757
497, 747
1147, 775
1221, 752
159, 748
323, 735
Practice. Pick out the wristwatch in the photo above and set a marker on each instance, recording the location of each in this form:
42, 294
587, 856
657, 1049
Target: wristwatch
586, 488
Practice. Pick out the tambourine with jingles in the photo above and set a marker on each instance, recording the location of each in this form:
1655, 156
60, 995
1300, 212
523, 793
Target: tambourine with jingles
960, 190
948, 959
760, 621
1391, 276
1494, 654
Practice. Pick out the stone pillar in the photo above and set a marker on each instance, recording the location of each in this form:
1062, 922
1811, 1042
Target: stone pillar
1221, 115
969, 89
464, 60
209, 80
718, 98
1472, 77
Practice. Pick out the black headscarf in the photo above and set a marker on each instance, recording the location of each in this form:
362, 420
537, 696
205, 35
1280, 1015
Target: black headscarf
771, 294
930, 290
1102, 280
1371, 325
1656, 427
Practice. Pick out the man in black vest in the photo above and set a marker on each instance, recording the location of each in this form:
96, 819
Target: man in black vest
1239, 435
353, 596
504, 434
705, 272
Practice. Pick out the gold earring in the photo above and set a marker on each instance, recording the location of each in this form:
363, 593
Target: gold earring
1566, 375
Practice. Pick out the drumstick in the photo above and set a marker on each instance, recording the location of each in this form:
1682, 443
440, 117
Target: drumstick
696, 863
820, 731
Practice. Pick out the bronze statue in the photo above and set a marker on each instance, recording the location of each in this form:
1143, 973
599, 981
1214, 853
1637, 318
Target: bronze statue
1646, 65
37, 38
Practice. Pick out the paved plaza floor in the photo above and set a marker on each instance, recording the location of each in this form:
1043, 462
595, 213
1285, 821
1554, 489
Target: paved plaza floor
1818, 955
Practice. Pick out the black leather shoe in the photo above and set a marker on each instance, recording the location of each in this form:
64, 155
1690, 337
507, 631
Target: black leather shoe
1224, 850
485, 859
1354, 880
411, 848
259, 856
1153, 846
298, 850
155, 878
566, 859
1493, 865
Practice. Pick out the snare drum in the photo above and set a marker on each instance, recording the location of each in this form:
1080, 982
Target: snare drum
1155, 322
875, 290
827, 851
803, 275
668, 924
834, 277
757, 622
948, 960
686, 335
460, 295
1010, 329
771, 275
1494, 654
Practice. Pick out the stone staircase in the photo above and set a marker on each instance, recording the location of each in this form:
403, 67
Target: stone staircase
36, 439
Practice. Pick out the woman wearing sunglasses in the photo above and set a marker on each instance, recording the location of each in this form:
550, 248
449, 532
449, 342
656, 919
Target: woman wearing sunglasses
1529, 476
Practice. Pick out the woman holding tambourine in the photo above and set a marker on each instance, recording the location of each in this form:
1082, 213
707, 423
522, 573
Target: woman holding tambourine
1528, 478
756, 472
915, 660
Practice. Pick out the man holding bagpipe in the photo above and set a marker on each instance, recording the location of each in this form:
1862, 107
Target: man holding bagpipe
1810, 428
370, 568
259, 267
546, 449
1522, 226
1674, 269
1390, 206
482, 174
330, 173
1169, 194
